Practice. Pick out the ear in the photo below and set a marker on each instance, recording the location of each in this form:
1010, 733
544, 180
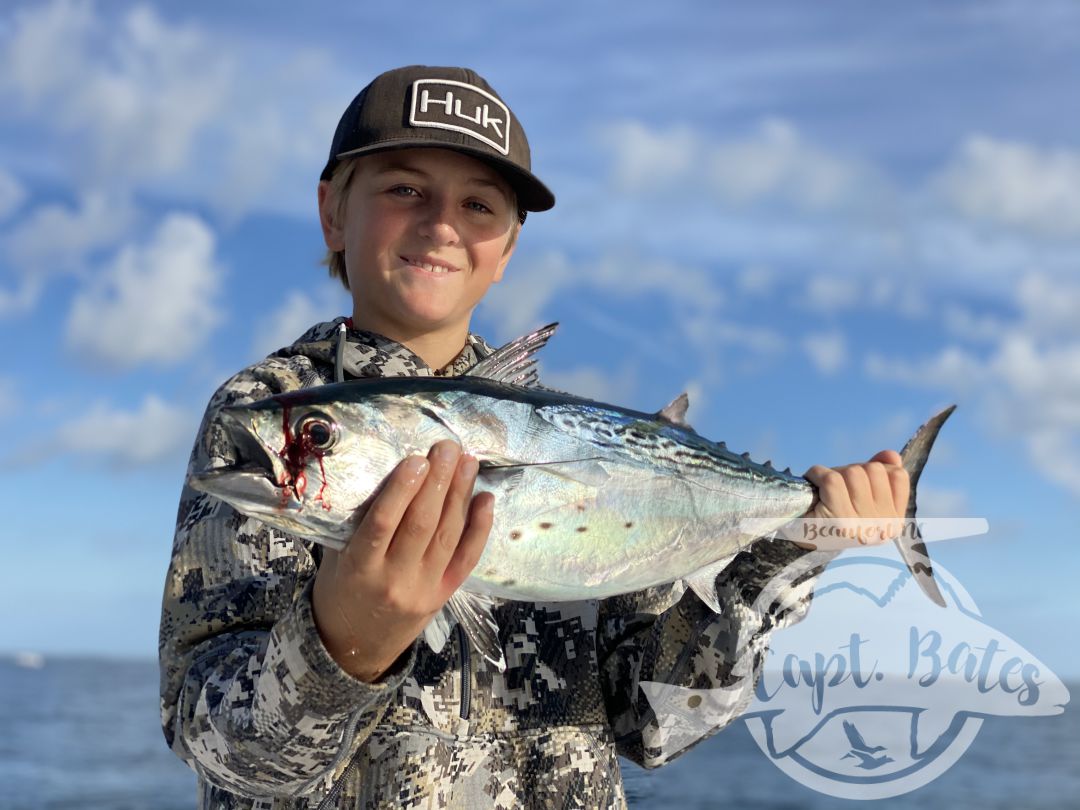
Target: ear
333, 231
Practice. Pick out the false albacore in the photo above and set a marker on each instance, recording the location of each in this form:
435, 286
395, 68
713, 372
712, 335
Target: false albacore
592, 500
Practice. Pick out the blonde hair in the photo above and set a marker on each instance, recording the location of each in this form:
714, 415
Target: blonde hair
334, 260
339, 181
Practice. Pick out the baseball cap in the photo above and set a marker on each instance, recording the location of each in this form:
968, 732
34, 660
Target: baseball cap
444, 107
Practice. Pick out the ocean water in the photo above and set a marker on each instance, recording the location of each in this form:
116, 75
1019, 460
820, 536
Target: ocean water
81, 733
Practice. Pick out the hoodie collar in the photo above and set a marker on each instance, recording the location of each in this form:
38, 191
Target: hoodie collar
369, 354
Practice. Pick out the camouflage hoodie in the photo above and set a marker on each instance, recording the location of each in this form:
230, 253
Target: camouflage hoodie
253, 702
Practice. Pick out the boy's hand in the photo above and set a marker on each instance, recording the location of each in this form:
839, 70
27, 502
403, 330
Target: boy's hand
420, 538
869, 500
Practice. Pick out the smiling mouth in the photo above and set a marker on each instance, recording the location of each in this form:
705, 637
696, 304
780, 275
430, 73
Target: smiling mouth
430, 267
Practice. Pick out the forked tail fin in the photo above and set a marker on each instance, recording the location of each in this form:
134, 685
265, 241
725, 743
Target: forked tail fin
910, 543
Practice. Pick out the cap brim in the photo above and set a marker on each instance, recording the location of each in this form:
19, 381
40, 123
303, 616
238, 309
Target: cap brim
532, 195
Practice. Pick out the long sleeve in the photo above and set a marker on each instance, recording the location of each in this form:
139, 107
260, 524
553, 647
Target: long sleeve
250, 698
673, 672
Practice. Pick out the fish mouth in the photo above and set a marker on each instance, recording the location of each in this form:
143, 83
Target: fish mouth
257, 480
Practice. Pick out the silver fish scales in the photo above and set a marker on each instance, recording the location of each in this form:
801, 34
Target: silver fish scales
592, 500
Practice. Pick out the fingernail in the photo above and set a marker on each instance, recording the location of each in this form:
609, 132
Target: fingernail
444, 452
469, 466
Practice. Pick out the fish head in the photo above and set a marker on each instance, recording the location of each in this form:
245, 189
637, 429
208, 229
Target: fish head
302, 464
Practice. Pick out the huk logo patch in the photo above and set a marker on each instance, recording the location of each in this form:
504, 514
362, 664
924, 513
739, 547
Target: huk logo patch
460, 107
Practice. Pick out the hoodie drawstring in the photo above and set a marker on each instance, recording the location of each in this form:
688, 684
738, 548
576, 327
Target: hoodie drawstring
339, 355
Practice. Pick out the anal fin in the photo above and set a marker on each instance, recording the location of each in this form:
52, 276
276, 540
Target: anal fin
473, 612
703, 582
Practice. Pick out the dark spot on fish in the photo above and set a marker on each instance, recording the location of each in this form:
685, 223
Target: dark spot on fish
582, 529
546, 525
515, 535
581, 507
509, 583
629, 524
694, 701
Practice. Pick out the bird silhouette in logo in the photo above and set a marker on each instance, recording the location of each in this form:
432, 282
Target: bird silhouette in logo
863, 752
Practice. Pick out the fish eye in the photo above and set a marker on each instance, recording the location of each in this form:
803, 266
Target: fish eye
318, 432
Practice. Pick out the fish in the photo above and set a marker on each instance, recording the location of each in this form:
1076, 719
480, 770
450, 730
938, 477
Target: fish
592, 500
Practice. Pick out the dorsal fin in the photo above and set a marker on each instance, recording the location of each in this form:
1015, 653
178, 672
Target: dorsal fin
515, 363
674, 413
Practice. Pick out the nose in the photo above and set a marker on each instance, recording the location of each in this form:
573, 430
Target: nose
439, 223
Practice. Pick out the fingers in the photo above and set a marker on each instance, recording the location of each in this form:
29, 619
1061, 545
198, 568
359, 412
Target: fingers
473, 540
876, 490
455, 510
422, 517
377, 528
833, 497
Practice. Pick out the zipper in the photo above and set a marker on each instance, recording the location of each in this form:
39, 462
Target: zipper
466, 680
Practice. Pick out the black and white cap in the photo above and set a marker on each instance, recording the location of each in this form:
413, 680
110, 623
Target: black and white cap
444, 107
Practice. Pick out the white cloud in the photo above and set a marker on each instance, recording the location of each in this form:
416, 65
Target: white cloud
55, 238
942, 503
155, 431
1026, 377
954, 367
776, 164
602, 384
22, 298
8, 397
12, 194
129, 100
645, 158
831, 293
521, 301
297, 313
45, 49
155, 303
827, 350
518, 303
972, 326
779, 163
136, 93
1055, 453
756, 279
1016, 184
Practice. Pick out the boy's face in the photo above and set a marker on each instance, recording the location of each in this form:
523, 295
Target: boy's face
425, 233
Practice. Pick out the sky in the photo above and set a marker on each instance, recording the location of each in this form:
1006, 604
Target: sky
824, 221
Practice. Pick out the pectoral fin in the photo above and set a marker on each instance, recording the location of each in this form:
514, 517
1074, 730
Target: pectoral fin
586, 471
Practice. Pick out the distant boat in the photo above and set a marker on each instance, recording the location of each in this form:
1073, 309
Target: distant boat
29, 660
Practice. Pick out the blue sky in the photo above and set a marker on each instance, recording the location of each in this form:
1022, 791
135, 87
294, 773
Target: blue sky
823, 220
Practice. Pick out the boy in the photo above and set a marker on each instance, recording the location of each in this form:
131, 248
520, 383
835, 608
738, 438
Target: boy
291, 676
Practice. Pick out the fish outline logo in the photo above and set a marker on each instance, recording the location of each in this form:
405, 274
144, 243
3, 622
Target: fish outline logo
875, 693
